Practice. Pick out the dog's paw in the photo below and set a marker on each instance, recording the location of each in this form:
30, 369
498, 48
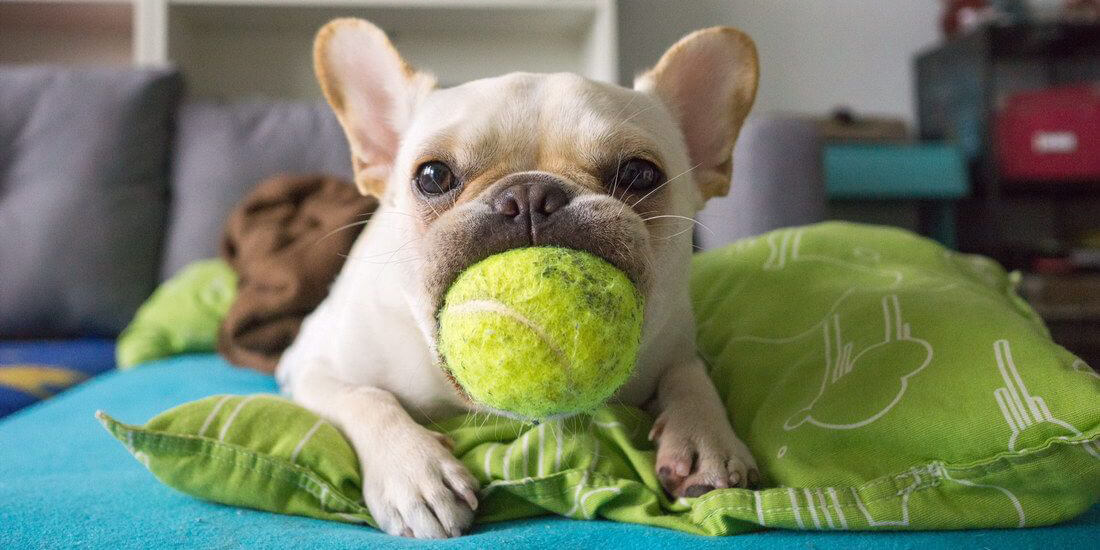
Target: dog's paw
695, 457
415, 487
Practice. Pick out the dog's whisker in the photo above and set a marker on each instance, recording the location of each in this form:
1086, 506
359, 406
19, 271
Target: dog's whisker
386, 212
636, 113
400, 261
623, 205
434, 211
390, 260
388, 252
692, 220
676, 234
339, 229
360, 257
618, 165
625, 107
668, 181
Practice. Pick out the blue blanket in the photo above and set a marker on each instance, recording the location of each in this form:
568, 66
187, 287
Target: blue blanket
31, 370
65, 483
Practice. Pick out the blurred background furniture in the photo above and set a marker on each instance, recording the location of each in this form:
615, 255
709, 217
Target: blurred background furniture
1022, 102
876, 182
777, 182
793, 170
109, 183
243, 48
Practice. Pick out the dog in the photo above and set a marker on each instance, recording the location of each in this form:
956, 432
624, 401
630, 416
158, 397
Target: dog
513, 161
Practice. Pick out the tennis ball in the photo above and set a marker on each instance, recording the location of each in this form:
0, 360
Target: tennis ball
541, 331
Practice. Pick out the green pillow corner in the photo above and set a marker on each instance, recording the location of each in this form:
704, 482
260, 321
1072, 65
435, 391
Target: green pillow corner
908, 366
182, 315
882, 382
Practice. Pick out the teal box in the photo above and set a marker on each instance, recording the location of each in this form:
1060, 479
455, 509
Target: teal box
924, 171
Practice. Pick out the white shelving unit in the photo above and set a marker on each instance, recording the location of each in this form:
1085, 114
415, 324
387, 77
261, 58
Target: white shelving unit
239, 48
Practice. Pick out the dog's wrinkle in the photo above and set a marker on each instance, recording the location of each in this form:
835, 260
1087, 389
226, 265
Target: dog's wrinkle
598, 230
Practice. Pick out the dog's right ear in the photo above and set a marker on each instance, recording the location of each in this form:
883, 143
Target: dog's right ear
373, 92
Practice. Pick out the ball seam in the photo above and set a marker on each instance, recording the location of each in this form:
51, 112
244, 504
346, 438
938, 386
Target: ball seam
492, 306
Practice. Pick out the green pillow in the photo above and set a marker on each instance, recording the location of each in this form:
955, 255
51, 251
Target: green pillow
182, 316
882, 382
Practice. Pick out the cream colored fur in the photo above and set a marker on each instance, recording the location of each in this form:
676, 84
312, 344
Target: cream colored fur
365, 359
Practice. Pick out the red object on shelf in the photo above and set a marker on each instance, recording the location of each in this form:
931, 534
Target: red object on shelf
1050, 135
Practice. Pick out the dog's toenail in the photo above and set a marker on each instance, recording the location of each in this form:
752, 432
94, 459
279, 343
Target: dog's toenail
698, 490
754, 479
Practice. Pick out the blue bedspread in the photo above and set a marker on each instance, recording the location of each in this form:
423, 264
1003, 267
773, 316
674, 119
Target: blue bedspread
65, 483
31, 370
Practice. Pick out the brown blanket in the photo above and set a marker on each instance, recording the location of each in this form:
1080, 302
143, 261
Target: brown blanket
287, 241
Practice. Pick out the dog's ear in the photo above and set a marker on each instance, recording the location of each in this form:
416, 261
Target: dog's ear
708, 80
373, 92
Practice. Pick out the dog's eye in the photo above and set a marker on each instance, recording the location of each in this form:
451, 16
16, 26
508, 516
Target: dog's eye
638, 175
434, 178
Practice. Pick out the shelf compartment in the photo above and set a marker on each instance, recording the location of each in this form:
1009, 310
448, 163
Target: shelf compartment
263, 48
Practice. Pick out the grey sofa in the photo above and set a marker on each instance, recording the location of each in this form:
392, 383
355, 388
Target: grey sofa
111, 181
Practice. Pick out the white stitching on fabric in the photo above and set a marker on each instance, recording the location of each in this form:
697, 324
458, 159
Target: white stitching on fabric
305, 438
213, 413
837, 507
795, 507
233, 416
812, 508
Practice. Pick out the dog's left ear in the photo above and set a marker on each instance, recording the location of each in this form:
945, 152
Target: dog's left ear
708, 80
373, 92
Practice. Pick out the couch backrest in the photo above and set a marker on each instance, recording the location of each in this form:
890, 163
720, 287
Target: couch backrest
777, 182
222, 150
108, 185
83, 195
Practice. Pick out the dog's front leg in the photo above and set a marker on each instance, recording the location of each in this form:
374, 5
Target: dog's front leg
412, 483
697, 450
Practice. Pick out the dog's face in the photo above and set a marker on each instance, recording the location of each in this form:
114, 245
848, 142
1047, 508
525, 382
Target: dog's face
529, 160
536, 159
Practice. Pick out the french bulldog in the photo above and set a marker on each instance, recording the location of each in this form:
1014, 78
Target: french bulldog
514, 161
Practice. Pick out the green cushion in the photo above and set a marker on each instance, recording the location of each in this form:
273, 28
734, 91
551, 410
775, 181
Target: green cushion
882, 381
182, 316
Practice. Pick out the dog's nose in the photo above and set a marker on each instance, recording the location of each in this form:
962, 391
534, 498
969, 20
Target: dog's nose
530, 202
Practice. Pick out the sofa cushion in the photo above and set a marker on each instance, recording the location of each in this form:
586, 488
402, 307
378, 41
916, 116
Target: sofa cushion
83, 170
224, 149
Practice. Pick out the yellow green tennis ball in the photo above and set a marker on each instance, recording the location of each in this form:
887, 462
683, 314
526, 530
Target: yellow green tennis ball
541, 331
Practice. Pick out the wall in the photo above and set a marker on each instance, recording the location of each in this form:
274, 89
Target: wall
815, 54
